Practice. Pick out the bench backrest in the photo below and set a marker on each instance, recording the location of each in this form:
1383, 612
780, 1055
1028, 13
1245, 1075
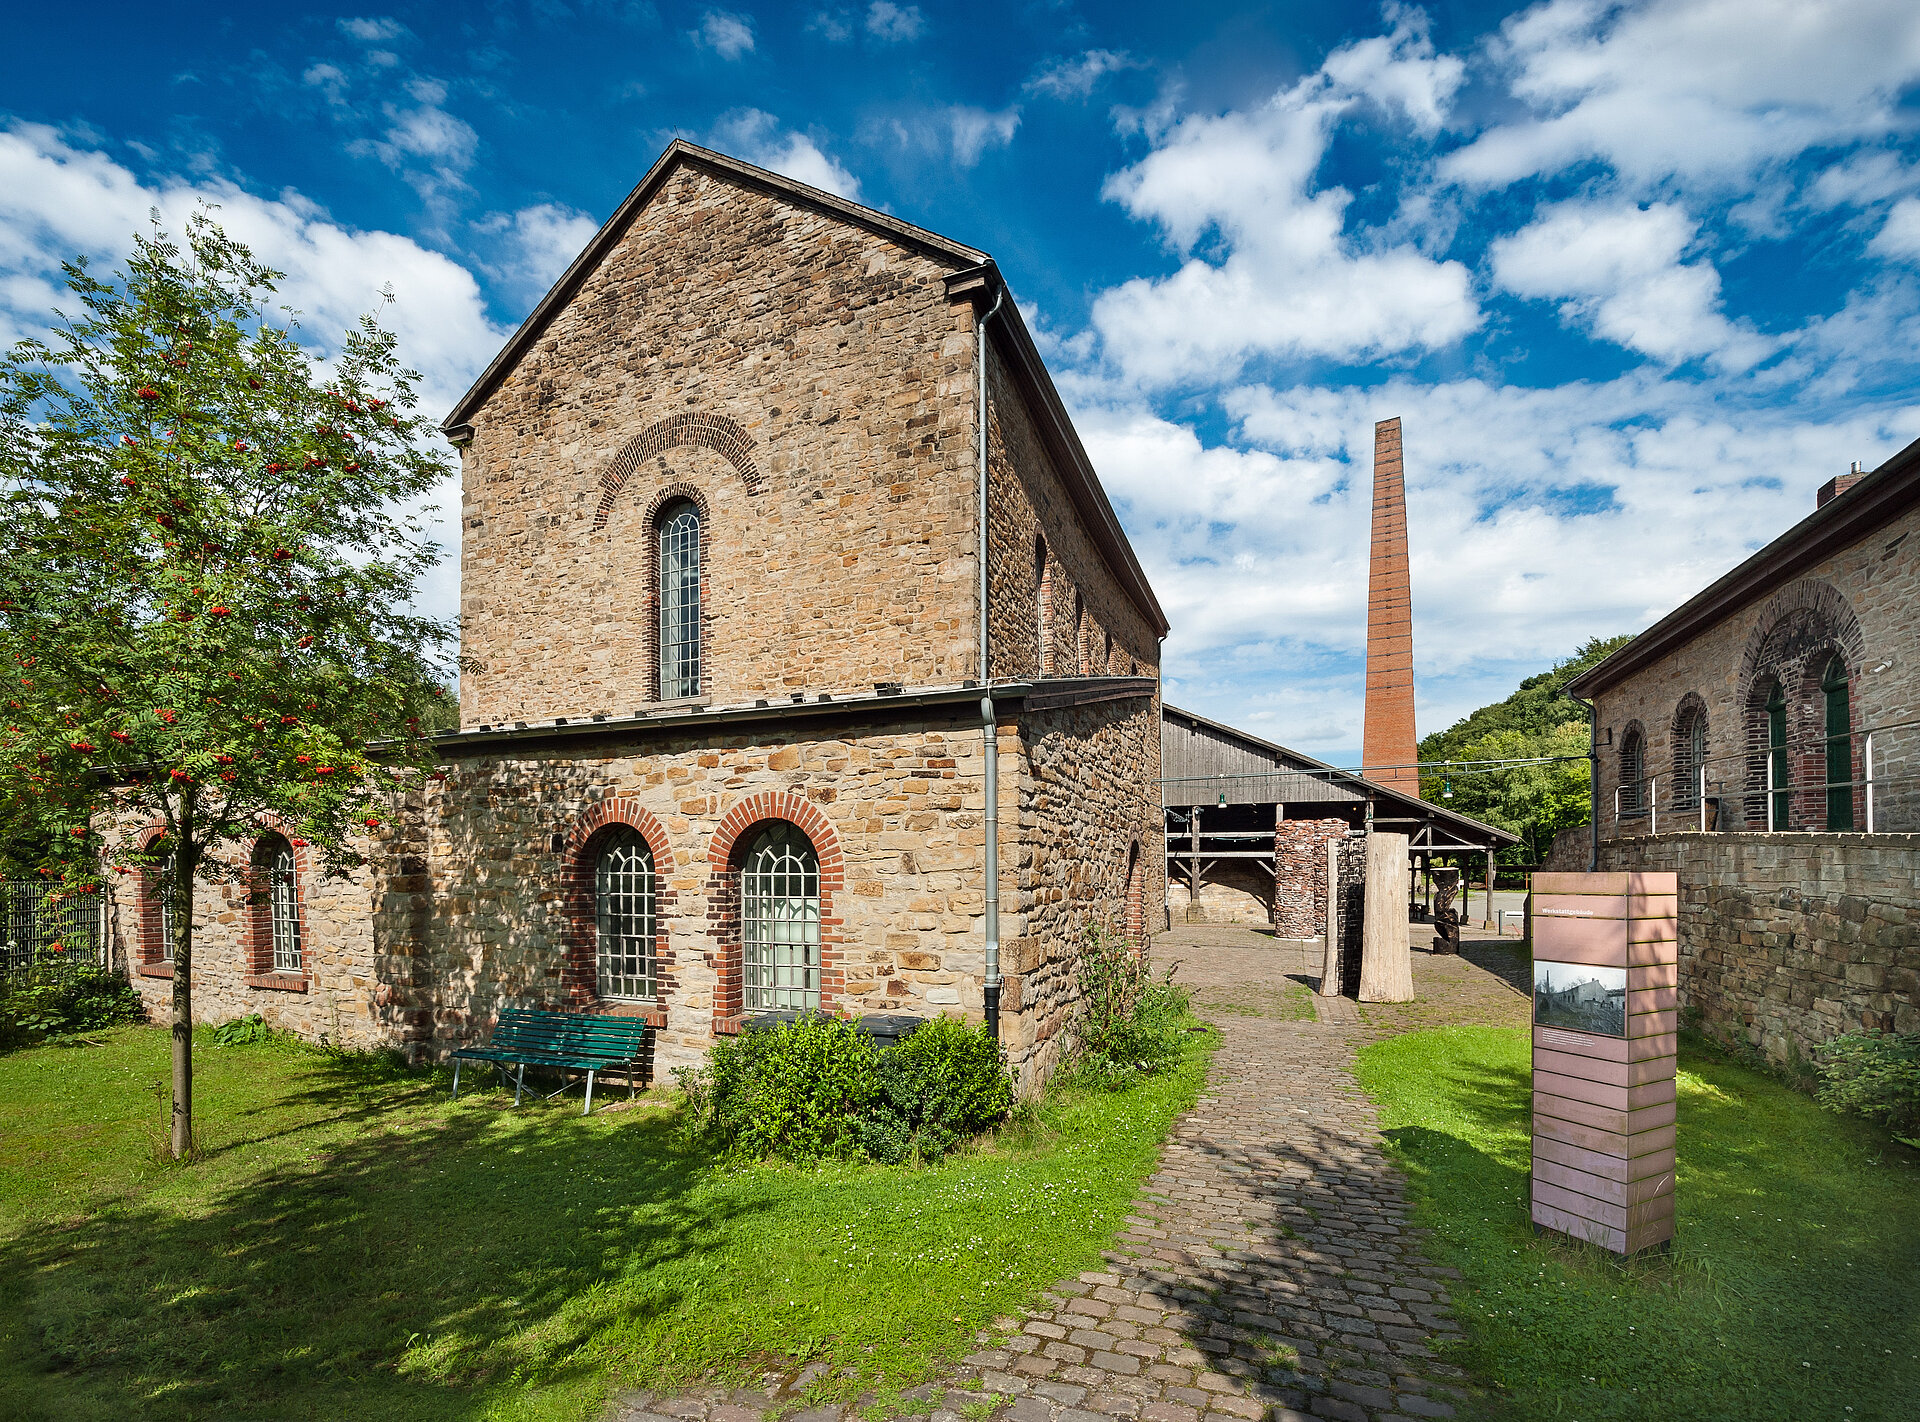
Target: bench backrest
578, 1035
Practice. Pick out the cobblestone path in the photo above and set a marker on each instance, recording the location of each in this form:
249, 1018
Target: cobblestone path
1268, 1272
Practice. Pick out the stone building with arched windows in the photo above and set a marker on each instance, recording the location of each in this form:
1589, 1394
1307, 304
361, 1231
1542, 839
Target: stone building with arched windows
749, 626
1763, 740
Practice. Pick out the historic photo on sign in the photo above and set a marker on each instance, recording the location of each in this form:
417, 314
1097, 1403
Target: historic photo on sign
1581, 997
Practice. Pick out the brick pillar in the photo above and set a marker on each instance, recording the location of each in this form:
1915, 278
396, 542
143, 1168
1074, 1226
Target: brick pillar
1388, 738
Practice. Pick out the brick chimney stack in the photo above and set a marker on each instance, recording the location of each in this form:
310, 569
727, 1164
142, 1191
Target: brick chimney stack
1388, 738
1838, 485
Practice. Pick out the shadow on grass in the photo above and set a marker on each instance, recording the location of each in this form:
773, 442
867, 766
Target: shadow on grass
414, 1269
1793, 1284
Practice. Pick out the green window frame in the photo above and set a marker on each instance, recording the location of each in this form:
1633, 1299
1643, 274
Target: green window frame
1839, 734
1777, 752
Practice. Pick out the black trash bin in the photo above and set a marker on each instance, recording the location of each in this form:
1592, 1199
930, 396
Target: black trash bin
887, 1028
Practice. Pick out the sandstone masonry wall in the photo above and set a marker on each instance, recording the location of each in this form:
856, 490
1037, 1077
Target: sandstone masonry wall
1787, 940
1027, 502
1088, 805
807, 382
1864, 601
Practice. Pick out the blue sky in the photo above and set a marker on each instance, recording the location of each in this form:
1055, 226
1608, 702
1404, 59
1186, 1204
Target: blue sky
1638, 277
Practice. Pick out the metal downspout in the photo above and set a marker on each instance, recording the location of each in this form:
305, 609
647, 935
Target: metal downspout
1593, 780
990, 724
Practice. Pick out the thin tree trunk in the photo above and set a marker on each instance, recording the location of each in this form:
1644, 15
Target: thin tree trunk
180, 892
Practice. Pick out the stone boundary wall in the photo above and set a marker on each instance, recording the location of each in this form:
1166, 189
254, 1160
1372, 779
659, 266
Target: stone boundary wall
1786, 940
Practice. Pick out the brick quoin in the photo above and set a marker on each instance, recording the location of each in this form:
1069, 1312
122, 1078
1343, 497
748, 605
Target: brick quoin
579, 852
1388, 739
723, 897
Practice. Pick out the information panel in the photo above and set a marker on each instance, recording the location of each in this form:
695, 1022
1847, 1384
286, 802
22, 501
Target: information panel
1605, 1010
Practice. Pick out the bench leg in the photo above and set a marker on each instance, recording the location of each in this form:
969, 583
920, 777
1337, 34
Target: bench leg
587, 1110
456, 1078
519, 1082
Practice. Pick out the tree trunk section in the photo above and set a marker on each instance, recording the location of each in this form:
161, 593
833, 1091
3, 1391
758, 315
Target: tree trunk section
1386, 964
1330, 962
180, 891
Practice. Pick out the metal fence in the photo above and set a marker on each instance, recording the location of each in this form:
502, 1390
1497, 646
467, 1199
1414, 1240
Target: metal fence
30, 927
1788, 785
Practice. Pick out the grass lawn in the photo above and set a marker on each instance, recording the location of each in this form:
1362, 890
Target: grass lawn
1793, 1287
353, 1244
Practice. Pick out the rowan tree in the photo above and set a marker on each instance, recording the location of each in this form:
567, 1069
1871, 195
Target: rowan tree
206, 585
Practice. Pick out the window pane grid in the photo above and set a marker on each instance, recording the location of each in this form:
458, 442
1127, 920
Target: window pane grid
623, 909
680, 605
166, 928
780, 924
285, 911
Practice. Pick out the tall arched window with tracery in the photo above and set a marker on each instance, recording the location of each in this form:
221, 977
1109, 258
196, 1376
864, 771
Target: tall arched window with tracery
1689, 753
283, 907
780, 922
679, 593
1837, 706
1043, 604
1778, 760
1633, 771
626, 965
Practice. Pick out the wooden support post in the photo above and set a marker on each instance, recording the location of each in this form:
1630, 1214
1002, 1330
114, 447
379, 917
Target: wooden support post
1386, 968
1491, 920
1193, 867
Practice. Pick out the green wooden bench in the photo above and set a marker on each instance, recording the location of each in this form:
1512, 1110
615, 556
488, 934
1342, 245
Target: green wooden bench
566, 1041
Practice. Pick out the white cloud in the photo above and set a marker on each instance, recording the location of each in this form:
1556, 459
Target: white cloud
1293, 281
1399, 69
725, 33
976, 130
330, 80
1862, 179
1075, 78
894, 24
1901, 235
534, 245
1707, 90
373, 31
1618, 271
834, 26
756, 136
1536, 518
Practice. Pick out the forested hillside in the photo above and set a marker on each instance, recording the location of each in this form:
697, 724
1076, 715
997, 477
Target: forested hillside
1536, 802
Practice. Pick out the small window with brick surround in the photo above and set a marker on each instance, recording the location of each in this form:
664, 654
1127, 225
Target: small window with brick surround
679, 563
1838, 714
624, 909
1633, 770
1043, 604
780, 922
279, 945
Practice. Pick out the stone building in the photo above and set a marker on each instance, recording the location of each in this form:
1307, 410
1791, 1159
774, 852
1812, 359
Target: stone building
765, 665
1763, 742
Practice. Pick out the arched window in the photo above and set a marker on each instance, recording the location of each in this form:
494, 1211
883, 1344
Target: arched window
1777, 755
679, 560
780, 922
1043, 604
1106, 658
626, 965
156, 908
1633, 770
1079, 633
283, 906
1839, 731
1689, 754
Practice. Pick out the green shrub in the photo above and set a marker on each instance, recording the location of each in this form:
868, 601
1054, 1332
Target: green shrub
794, 1090
1129, 1023
817, 1088
58, 1000
1876, 1075
945, 1082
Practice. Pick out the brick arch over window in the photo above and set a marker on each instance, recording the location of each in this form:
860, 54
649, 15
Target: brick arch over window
660, 503
579, 848
1687, 734
1799, 623
257, 937
715, 432
1633, 771
724, 852
1136, 896
150, 951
